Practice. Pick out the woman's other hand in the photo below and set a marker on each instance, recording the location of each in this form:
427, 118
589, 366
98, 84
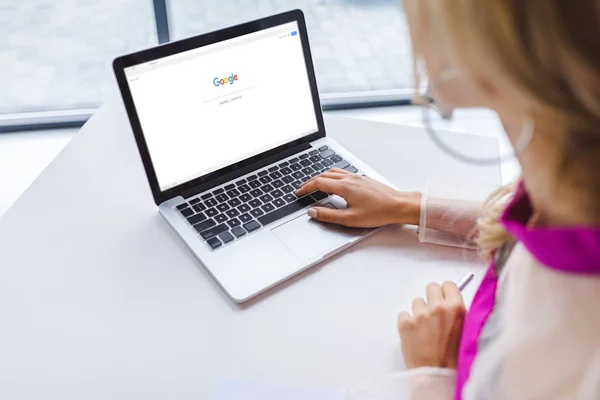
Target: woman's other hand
431, 336
370, 203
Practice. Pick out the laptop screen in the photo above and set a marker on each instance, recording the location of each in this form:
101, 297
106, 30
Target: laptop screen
210, 107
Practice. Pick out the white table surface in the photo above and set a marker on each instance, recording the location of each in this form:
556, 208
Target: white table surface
99, 299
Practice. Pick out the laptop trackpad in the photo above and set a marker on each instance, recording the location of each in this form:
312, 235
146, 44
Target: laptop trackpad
307, 238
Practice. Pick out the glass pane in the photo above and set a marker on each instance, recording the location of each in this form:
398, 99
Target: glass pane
357, 45
58, 54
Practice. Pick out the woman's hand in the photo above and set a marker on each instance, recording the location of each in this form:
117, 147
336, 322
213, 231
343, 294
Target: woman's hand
431, 336
370, 203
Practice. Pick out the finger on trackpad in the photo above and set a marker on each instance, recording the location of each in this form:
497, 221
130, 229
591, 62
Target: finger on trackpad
307, 238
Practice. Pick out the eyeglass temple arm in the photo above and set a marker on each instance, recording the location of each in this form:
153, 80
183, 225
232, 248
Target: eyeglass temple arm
445, 112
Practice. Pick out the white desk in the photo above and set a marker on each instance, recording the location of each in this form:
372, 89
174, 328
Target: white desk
99, 299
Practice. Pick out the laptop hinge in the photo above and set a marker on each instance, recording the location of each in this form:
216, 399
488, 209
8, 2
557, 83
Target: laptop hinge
245, 170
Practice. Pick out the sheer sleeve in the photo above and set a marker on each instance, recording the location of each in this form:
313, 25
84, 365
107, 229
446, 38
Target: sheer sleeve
448, 222
416, 384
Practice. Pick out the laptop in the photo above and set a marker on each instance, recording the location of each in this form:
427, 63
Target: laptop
228, 126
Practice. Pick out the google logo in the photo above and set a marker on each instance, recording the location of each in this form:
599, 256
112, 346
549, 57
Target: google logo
225, 81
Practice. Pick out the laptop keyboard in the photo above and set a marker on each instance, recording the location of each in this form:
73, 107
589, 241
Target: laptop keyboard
235, 210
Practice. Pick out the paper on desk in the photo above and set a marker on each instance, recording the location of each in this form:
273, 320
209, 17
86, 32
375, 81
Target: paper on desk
247, 390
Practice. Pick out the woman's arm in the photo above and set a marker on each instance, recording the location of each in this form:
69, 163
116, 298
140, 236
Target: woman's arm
372, 204
448, 222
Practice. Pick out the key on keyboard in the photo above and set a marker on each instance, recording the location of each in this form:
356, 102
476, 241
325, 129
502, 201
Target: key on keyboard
245, 218
211, 202
214, 243
268, 207
205, 225
255, 203
186, 212
212, 232
341, 165
232, 213
199, 207
252, 226
326, 153
233, 223
194, 219
287, 210
226, 237
222, 197
266, 198
238, 232
245, 197
234, 202
319, 195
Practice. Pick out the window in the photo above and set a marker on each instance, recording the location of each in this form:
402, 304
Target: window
357, 45
57, 55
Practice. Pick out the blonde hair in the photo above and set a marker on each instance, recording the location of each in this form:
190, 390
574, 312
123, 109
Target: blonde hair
547, 49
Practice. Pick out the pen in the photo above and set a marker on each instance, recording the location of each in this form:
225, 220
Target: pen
465, 281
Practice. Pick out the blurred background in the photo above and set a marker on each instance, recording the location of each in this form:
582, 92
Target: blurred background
56, 54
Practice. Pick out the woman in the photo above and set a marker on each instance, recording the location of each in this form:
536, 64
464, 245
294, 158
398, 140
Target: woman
533, 330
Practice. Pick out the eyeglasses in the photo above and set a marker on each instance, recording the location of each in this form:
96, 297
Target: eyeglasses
436, 118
